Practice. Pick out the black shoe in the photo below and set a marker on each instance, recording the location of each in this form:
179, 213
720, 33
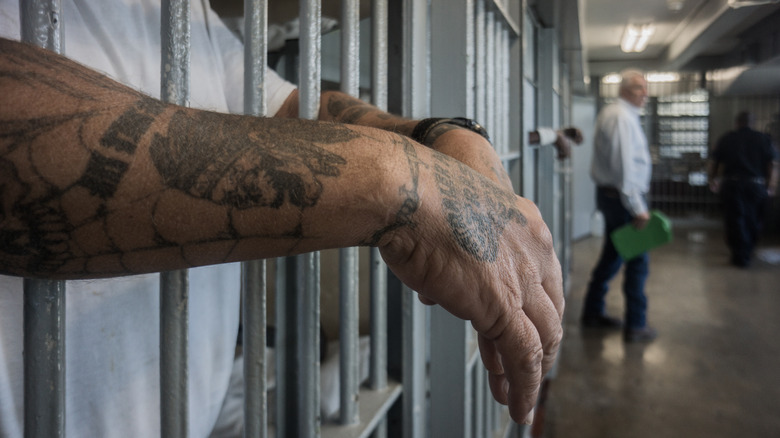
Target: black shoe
642, 334
601, 321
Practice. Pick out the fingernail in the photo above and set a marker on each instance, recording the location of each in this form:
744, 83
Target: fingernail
505, 388
529, 419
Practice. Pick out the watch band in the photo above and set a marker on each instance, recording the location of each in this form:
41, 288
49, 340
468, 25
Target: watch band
425, 126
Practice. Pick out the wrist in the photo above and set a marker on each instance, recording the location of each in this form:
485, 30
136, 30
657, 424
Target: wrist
427, 130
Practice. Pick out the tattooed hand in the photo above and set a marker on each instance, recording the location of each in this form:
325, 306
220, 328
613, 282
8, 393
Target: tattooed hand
485, 255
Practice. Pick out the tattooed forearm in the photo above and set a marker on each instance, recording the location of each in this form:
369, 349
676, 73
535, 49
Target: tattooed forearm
97, 179
409, 193
476, 227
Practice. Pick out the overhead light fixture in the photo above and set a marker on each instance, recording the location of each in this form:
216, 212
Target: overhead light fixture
636, 37
675, 5
734, 4
663, 77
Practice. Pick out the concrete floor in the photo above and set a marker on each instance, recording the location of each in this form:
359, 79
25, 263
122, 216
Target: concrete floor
714, 370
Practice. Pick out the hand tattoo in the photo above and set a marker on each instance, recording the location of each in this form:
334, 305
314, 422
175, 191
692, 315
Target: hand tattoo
477, 211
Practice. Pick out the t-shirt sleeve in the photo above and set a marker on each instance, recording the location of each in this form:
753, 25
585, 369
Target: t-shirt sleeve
9, 20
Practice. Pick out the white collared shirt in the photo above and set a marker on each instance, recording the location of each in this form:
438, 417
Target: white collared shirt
621, 158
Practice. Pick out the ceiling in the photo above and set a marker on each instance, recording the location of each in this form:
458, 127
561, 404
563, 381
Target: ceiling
691, 35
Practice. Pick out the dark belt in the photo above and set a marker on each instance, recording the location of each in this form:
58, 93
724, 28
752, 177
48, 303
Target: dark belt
609, 191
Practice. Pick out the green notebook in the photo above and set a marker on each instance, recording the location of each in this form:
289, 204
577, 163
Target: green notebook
631, 242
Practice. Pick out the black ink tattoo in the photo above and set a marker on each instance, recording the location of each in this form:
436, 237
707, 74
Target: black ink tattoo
124, 134
477, 212
348, 111
410, 193
232, 169
103, 175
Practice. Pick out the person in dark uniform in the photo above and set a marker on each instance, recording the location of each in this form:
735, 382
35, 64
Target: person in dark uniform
749, 164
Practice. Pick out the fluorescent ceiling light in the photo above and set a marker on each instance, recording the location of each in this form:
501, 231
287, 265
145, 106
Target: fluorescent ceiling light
663, 77
740, 3
635, 38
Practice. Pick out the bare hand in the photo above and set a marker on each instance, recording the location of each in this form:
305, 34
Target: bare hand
485, 255
574, 134
640, 220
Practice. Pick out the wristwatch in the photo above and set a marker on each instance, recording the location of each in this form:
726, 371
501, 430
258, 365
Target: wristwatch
421, 131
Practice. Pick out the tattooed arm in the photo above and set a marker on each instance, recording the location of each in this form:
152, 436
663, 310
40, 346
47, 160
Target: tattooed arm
465, 146
97, 180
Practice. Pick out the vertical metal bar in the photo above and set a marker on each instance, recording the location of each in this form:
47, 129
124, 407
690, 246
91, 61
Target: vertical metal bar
298, 316
173, 354
490, 60
378, 270
413, 372
479, 54
504, 85
452, 64
350, 44
310, 65
378, 357
44, 358
378, 366
44, 300
253, 285
416, 98
300, 413
349, 349
379, 45
283, 346
349, 354
479, 400
416, 64
255, 56
308, 268
41, 23
253, 273
174, 310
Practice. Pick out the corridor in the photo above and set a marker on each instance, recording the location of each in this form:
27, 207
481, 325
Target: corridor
714, 370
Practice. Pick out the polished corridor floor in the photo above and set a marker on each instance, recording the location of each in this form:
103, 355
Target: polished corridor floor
714, 370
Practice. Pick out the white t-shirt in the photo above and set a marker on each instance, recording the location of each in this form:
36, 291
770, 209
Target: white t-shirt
112, 326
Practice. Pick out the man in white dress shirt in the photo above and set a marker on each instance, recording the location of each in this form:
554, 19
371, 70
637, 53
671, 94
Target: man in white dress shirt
621, 169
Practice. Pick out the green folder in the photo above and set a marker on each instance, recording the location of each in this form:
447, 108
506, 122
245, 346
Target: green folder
631, 242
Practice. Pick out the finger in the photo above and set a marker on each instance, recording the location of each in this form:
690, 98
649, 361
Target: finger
499, 387
490, 357
546, 318
552, 283
521, 353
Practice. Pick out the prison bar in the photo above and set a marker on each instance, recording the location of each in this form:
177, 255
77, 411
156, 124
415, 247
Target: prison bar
44, 300
349, 353
174, 309
254, 273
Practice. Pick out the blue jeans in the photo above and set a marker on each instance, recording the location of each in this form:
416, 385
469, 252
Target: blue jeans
615, 216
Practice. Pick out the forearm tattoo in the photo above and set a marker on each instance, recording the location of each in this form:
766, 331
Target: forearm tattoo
409, 194
233, 163
351, 110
